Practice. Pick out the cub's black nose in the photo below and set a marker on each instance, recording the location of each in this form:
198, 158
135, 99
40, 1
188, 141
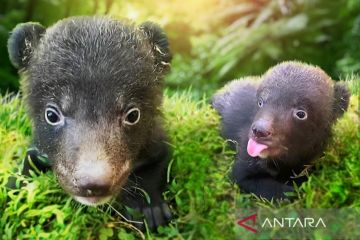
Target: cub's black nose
93, 188
261, 129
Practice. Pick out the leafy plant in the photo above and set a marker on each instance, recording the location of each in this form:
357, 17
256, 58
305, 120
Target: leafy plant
262, 33
350, 61
258, 34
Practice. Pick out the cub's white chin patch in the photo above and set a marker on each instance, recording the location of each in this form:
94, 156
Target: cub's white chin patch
92, 201
263, 155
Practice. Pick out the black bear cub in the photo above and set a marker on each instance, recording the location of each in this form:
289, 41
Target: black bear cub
93, 86
279, 124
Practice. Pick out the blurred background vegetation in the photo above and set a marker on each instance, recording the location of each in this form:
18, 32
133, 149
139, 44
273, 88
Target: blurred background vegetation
214, 41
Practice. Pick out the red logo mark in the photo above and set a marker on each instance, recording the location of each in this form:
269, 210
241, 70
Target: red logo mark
250, 228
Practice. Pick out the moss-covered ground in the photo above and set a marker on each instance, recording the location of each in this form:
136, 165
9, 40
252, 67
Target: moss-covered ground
203, 200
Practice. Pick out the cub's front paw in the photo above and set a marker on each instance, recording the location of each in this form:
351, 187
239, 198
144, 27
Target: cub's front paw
156, 215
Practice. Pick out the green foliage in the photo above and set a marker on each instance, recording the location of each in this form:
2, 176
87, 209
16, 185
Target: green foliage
349, 63
266, 32
203, 201
199, 185
9, 80
14, 130
259, 34
188, 71
225, 40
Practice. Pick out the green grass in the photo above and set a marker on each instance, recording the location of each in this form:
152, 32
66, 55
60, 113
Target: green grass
203, 200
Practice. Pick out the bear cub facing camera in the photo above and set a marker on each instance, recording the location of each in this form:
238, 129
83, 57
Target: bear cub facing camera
279, 123
93, 87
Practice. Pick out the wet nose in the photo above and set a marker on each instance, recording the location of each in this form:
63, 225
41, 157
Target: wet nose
94, 187
93, 177
261, 129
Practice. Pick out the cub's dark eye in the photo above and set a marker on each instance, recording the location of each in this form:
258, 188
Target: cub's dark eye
53, 116
260, 102
300, 114
132, 116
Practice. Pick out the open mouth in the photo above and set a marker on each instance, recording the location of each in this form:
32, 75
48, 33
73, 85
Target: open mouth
265, 148
93, 201
256, 149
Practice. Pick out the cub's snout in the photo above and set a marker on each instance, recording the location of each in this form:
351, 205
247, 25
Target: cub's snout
95, 163
95, 181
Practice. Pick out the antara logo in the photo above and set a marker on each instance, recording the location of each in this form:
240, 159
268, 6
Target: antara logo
281, 222
294, 222
250, 228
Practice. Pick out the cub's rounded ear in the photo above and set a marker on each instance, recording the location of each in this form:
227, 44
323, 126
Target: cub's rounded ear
160, 44
22, 42
341, 99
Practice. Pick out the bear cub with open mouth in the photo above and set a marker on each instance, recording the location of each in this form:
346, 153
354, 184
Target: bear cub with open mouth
93, 87
278, 124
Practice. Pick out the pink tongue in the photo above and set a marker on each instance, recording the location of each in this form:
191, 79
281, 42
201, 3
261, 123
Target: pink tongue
254, 148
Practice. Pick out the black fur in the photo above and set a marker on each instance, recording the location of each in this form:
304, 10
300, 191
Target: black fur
341, 96
159, 42
94, 69
292, 143
24, 39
